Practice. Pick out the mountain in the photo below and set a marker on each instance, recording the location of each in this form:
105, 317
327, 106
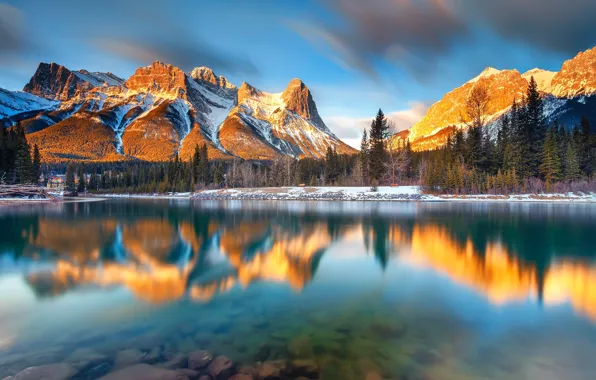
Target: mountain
161, 111
568, 95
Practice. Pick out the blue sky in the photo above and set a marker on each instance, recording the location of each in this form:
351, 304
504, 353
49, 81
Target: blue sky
356, 56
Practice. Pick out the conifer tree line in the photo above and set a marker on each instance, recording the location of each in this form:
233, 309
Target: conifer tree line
201, 172
383, 160
526, 155
19, 163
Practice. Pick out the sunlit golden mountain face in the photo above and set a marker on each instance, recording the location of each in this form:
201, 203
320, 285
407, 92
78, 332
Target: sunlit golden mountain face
161, 259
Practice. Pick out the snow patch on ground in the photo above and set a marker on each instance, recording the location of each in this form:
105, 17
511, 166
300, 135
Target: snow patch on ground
383, 193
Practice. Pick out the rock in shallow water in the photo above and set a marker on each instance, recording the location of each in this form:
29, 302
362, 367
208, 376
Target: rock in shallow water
85, 357
127, 358
145, 372
178, 361
191, 374
58, 371
221, 368
199, 359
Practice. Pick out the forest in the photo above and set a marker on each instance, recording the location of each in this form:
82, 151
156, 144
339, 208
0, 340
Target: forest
520, 153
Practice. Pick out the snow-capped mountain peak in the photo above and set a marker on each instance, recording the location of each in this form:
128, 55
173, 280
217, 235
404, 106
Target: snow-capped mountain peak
543, 78
161, 111
206, 75
488, 72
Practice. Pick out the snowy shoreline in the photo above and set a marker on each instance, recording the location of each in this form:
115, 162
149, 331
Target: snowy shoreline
391, 194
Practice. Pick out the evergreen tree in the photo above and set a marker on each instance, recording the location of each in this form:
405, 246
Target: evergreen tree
218, 175
535, 126
502, 142
378, 154
205, 173
572, 162
196, 164
364, 158
81, 185
586, 150
23, 163
332, 166
36, 163
551, 163
69, 182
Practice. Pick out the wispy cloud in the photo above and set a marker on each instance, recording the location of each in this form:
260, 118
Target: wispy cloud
12, 32
414, 35
400, 31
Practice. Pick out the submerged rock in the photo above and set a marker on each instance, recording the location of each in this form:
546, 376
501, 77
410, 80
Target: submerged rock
178, 361
304, 367
153, 356
199, 359
58, 371
145, 372
85, 357
221, 368
127, 358
241, 376
191, 374
271, 369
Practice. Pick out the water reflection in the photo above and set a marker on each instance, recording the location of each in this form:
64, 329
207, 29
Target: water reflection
164, 252
359, 286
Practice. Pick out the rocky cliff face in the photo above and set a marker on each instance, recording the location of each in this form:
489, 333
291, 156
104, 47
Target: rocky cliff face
503, 87
161, 111
206, 75
568, 94
53, 81
577, 76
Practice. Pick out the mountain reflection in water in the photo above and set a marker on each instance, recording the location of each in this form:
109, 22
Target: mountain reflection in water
396, 290
164, 252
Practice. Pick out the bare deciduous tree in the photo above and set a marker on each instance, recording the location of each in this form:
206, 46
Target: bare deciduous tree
476, 108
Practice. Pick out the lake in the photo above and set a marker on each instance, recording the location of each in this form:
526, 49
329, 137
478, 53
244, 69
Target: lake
364, 289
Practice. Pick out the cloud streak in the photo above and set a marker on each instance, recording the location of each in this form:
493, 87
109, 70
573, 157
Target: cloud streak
414, 35
400, 31
12, 30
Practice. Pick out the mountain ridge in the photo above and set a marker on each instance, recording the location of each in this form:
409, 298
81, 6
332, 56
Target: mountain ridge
568, 94
161, 111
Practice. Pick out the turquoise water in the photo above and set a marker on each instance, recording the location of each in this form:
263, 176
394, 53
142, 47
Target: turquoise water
396, 290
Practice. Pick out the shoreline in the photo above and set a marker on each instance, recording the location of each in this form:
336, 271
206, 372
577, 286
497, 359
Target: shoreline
351, 194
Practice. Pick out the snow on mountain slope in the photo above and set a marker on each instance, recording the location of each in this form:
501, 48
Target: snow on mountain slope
288, 122
577, 76
568, 95
503, 87
161, 111
543, 79
15, 102
488, 72
98, 79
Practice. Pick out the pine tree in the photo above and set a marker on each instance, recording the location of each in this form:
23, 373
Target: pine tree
551, 162
196, 164
23, 162
36, 163
364, 158
205, 173
586, 154
572, 162
535, 125
378, 154
82, 182
69, 182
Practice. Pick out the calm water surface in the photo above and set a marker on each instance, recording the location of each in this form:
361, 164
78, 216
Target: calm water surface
404, 290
